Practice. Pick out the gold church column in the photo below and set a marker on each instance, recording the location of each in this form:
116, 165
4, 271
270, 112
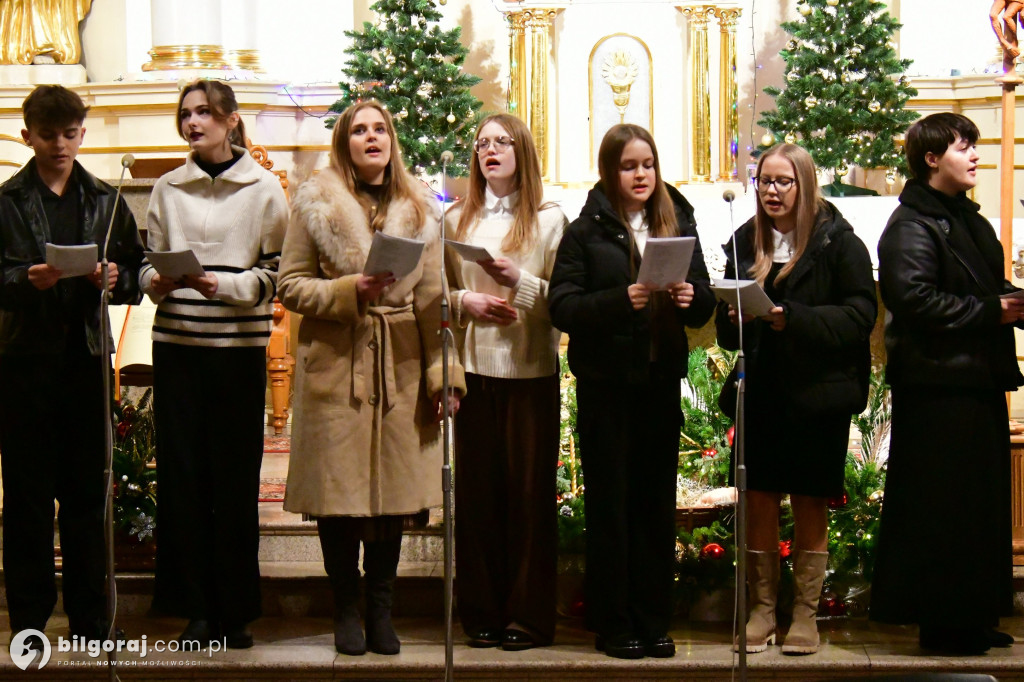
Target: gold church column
700, 93
186, 36
728, 97
528, 97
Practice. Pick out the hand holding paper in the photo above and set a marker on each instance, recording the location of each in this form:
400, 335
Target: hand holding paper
666, 261
745, 295
397, 255
72, 261
469, 252
175, 265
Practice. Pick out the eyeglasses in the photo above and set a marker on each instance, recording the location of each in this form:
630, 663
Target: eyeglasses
782, 185
501, 143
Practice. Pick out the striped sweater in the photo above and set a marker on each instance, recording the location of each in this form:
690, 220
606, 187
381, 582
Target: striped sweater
235, 224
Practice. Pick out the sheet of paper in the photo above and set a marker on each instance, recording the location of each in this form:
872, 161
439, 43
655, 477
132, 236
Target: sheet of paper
747, 291
469, 252
175, 264
397, 255
666, 261
1014, 294
72, 261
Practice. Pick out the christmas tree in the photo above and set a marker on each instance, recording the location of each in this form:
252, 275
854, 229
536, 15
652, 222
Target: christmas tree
841, 102
414, 69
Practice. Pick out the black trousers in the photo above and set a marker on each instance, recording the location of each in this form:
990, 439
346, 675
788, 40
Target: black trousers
209, 410
629, 445
506, 532
51, 447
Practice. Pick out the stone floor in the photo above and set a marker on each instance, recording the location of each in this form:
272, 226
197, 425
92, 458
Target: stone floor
301, 648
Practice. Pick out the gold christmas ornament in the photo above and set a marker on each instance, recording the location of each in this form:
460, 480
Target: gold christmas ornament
874, 106
791, 45
403, 113
790, 138
450, 117
842, 171
831, 3
767, 140
792, 77
811, 101
442, 2
805, 10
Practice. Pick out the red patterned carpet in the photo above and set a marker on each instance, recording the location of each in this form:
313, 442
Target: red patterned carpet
272, 488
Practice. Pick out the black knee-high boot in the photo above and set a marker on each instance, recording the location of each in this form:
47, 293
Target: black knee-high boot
380, 565
339, 540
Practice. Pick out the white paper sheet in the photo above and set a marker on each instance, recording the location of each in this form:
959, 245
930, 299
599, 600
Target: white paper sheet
176, 264
469, 252
73, 261
397, 255
666, 261
750, 294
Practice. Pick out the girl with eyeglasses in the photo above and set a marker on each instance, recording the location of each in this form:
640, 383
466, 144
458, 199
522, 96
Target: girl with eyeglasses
807, 365
366, 444
628, 350
507, 432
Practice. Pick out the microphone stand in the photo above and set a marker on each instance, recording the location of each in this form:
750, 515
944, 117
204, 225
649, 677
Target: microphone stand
446, 468
108, 434
739, 461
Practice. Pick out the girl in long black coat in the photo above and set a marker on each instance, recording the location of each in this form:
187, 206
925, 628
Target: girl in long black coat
808, 364
951, 357
628, 350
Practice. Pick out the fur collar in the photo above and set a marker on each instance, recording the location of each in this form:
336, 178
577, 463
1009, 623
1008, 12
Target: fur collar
338, 225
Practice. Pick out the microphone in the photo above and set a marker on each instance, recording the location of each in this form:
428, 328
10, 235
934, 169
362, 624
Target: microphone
447, 157
127, 161
729, 196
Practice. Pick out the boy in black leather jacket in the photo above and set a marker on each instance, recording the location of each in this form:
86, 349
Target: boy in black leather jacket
51, 409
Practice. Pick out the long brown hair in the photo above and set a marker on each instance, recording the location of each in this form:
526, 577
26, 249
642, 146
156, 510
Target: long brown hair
808, 203
661, 213
527, 182
221, 99
398, 183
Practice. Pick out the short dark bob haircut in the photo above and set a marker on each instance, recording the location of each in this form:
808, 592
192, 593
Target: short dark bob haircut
934, 134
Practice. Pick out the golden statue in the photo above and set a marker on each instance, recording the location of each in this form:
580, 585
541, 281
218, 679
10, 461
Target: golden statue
41, 31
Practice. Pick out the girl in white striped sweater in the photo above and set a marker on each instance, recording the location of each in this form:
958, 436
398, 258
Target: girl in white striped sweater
209, 366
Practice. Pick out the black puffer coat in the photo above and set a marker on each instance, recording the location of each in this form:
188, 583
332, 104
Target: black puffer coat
588, 299
823, 355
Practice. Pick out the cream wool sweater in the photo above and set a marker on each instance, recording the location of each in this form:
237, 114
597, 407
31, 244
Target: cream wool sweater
235, 224
527, 348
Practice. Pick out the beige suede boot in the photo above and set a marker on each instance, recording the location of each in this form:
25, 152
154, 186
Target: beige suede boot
762, 591
808, 576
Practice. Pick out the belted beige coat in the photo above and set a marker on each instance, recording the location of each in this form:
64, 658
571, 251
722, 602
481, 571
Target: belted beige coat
364, 438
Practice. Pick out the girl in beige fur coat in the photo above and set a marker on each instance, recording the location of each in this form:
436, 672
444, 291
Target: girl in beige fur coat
366, 449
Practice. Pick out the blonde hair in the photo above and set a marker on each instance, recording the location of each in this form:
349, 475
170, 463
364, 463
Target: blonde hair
808, 203
527, 182
661, 212
398, 183
222, 102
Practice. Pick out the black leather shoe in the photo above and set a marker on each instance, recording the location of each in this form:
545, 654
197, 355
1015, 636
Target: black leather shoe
516, 640
237, 637
998, 639
620, 646
485, 639
198, 634
660, 647
954, 641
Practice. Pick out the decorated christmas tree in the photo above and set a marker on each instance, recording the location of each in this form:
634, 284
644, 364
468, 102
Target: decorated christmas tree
414, 68
845, 93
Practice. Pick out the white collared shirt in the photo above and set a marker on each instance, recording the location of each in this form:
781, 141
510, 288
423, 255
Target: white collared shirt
785, 244
638, 224
495, 206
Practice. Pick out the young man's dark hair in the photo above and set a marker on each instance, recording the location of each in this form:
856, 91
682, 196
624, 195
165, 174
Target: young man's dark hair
51, 364
934, 134
52, 106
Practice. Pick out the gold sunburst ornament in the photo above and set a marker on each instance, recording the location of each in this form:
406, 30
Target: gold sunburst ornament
619, 71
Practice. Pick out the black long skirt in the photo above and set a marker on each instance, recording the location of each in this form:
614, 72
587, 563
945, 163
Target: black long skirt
944, 548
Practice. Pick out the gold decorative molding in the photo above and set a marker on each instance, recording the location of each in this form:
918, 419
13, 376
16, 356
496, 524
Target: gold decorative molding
700, 92
528, 96
619, 72
728, 95
590, 86
248, 60
174, 57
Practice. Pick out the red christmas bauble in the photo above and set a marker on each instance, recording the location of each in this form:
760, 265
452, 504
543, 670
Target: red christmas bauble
712, 550
785, 548
578, 608
710, 452
730, 435
837, 502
